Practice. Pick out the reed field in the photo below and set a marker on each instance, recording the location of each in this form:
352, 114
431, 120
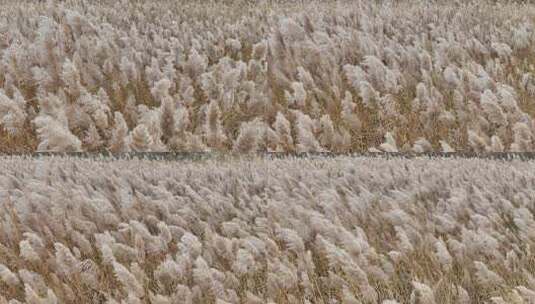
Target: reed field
339, 230
243, 76
234, 78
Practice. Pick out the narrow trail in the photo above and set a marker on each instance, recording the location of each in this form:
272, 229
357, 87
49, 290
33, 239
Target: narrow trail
178, 156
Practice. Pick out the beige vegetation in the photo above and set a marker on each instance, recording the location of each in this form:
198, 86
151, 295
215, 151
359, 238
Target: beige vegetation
243, 76
343, 230
266, 75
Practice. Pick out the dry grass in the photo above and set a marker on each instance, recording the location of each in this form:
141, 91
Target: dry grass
279, 231
248, 57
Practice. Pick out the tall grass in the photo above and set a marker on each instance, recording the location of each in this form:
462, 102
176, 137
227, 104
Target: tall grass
341, 230
177, 75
